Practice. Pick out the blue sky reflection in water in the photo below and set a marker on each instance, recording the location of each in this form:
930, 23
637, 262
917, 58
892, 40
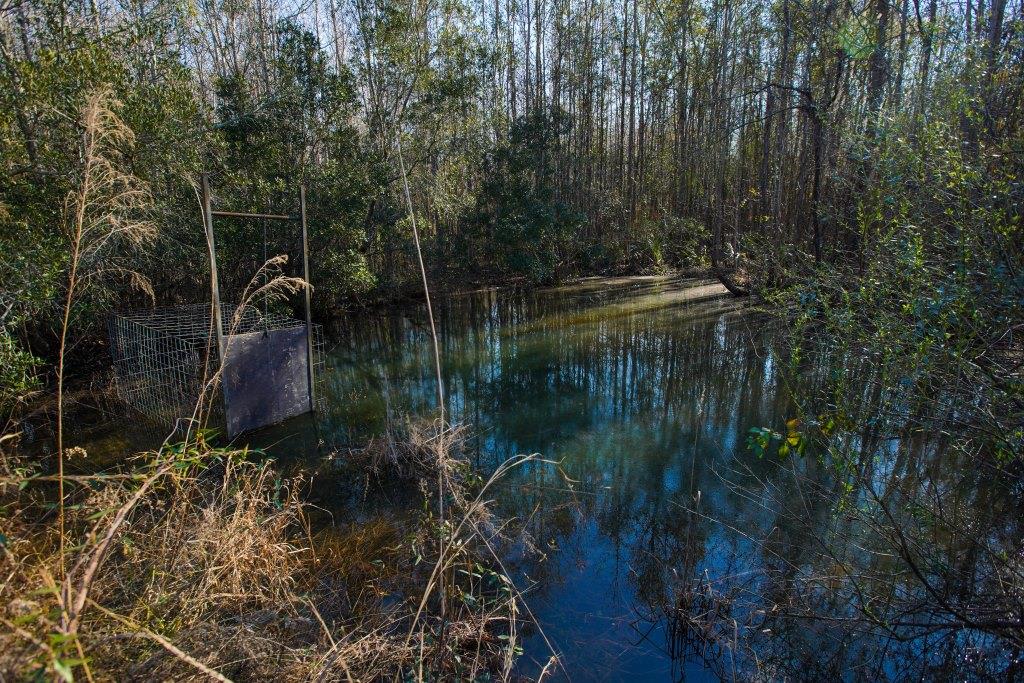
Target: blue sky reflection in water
643, 390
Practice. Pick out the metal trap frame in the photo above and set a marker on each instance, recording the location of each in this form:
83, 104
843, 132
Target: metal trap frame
268, 363
164, 356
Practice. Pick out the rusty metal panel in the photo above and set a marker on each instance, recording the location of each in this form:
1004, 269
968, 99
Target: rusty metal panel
265, 378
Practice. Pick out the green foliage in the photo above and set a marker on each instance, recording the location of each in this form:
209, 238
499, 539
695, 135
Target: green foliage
277, 106
521, 227
299, 133
763, 440
672, 242
939, 299
40, 135
17, 371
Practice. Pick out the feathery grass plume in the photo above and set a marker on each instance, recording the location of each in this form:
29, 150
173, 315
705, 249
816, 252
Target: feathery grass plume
104, 216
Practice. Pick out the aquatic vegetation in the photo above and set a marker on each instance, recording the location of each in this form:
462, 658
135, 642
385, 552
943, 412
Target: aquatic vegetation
206, 560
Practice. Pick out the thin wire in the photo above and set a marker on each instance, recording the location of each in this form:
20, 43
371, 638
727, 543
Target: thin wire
266, 275
437, 367
423, 273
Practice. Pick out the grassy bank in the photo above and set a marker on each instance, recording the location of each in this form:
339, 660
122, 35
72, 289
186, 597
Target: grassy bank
199, 562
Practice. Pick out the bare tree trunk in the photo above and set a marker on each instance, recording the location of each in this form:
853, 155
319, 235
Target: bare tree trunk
927, 42
878, 66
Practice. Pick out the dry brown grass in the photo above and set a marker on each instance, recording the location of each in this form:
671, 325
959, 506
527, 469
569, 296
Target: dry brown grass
215, 572
102, 216
222, 545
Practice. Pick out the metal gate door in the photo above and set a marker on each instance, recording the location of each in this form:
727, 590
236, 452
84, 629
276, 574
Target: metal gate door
266, 378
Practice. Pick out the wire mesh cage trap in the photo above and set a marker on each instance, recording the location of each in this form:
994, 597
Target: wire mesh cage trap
268, 362
163, 357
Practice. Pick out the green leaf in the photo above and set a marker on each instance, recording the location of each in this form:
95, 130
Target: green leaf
63, 670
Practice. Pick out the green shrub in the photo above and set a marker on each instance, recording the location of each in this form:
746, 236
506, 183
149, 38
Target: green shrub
520, 227
17, 371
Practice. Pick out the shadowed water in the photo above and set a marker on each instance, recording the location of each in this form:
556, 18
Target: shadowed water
666, 545
639, 388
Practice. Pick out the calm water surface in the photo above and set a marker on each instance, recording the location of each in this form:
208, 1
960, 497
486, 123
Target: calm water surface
642, 389
640, 394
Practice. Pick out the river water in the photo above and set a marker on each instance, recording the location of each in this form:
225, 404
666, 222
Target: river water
642, 389
650, 502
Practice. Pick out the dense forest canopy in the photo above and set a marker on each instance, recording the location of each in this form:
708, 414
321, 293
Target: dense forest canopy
545, 138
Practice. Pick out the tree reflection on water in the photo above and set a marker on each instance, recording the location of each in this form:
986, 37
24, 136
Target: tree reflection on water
672, 543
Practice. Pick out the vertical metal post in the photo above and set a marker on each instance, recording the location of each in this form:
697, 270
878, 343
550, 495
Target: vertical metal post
214, 280
309, 313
